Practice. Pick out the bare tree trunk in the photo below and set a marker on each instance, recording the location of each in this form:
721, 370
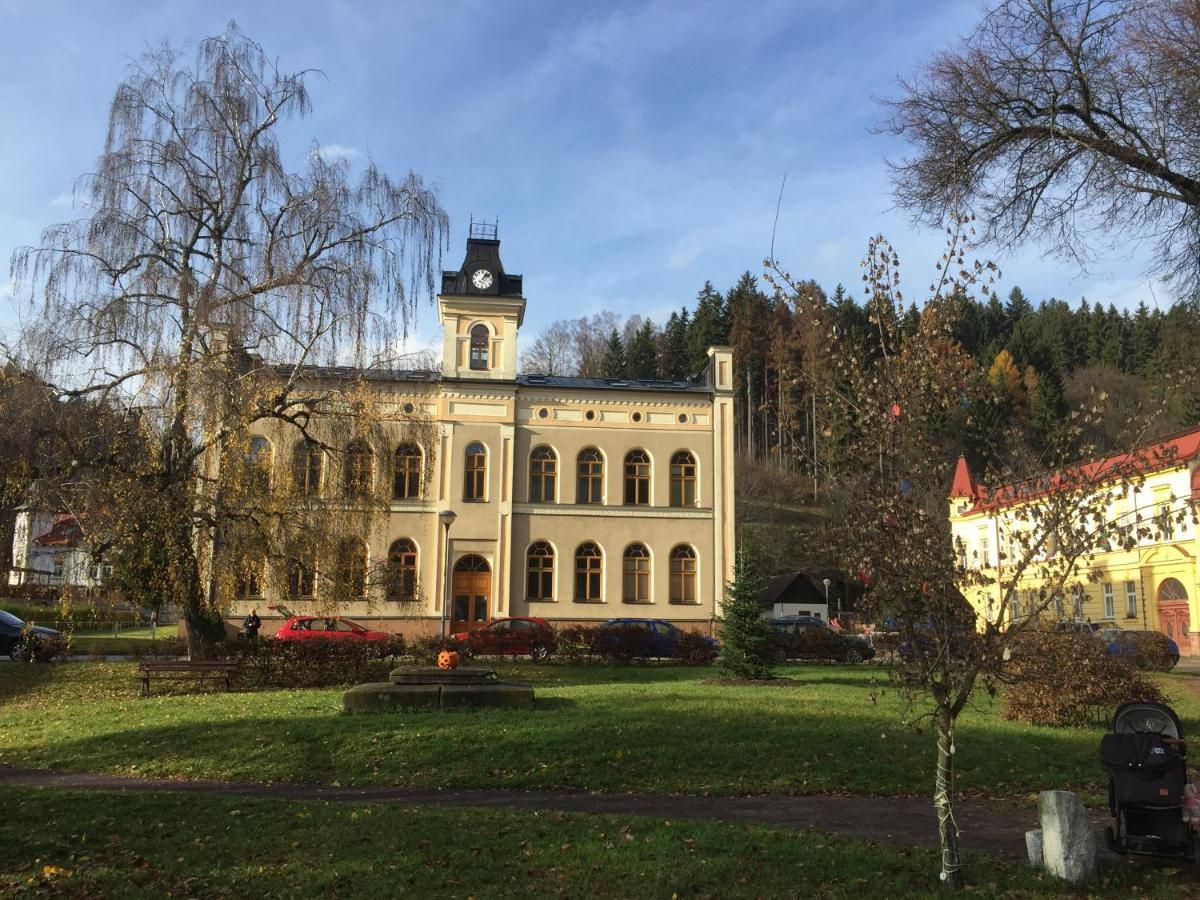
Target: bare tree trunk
942, 789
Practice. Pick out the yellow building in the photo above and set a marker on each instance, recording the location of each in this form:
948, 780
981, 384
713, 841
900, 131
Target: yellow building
1152, 585
573, 499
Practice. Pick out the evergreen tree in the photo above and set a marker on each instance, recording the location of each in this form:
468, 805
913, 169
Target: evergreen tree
674, 363
613, 364
745, 634
710, 326
1017, 307
642, 357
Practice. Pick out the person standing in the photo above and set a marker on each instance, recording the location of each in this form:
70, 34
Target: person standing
251, 624
153, 624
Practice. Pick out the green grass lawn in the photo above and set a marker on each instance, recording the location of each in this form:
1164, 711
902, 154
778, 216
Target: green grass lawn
639, 729
61, 843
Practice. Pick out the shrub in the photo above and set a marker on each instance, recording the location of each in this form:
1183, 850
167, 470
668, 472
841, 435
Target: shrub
424, 650
694, 649
578, 643
1066, 679
1147, 649
304, 664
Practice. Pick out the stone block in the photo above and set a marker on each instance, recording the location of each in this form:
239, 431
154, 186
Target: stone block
384, 696
434, 675
503, 693
1033, 846
1068, 838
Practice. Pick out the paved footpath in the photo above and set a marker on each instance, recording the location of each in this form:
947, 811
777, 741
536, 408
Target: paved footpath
988, 826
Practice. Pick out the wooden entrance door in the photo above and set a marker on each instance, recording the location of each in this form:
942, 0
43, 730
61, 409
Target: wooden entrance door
470, 591
1173, 618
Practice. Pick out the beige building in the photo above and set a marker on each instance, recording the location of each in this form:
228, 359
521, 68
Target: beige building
573, 499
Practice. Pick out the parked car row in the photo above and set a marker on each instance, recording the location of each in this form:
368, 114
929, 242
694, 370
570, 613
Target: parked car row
625, 638
793, 637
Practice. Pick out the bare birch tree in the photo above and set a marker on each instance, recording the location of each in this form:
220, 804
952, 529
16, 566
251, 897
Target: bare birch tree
201, 252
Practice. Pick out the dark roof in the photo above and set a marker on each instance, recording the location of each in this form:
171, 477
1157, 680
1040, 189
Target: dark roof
799, 587
378, 374
620, 384
65, 532
553, 381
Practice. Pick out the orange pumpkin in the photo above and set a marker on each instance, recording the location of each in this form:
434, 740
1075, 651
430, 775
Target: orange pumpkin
448, 659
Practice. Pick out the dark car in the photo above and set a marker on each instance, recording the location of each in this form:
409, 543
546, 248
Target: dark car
807, 637
529, 636
630, 638
20, 641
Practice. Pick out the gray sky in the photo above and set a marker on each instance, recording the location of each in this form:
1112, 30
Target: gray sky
630, 150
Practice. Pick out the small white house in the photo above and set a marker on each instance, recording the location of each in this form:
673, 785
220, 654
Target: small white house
793, 594
48, 549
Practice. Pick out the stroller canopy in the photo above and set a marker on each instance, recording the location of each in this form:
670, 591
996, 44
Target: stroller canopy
1147, 718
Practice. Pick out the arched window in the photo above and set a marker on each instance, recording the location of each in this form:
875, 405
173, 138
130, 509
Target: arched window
352, 567
479, 346
590, 488
302, 578
635, 585
309, 463
250, 580
409, 462
360, 468
637, 478
539, 569
258, 460
475, 482
543, 473
683, 479
402, 570
683, 575
589, 573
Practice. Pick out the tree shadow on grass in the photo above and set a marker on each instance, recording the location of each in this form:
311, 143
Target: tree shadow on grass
779, 743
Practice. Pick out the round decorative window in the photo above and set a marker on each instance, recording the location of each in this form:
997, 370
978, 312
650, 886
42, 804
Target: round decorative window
683, 418
409, 409
543, 413
637, 417
590, 415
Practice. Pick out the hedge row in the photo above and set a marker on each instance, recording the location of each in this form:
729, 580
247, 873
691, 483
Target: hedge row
1066, 679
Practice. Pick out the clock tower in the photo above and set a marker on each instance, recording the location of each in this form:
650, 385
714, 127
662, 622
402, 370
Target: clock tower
481, 307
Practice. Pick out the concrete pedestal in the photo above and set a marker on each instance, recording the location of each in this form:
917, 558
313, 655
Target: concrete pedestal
428, 687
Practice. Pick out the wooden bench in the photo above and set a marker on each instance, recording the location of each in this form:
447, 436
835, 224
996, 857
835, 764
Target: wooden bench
182, 668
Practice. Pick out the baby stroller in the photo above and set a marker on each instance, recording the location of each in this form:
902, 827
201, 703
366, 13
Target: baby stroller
1146, 759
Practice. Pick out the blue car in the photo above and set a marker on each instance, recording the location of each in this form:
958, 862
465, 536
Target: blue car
641, 638
1134, 644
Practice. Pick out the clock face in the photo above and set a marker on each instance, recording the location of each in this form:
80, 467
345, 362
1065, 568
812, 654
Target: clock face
482, 279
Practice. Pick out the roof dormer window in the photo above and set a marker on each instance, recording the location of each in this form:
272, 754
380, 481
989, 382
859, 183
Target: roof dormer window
479, 347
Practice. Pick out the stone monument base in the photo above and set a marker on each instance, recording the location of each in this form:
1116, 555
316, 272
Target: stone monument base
428, 687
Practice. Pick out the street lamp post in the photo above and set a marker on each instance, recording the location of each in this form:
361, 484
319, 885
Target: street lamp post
446, 517
827, 583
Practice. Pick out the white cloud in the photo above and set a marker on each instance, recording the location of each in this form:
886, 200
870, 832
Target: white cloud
330, 152
63, 200
684, 253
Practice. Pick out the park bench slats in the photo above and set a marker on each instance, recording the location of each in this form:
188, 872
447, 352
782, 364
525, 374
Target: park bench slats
182, 668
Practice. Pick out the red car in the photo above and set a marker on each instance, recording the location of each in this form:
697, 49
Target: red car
327, 628
509, 637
